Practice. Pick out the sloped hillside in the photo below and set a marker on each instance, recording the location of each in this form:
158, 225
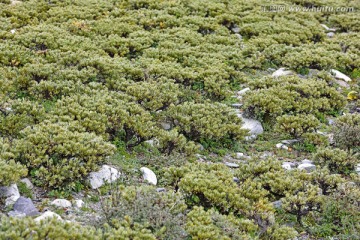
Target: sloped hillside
154, 119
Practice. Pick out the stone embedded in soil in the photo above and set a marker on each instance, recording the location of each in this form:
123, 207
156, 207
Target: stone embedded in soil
149, 175
26, 206
106, 174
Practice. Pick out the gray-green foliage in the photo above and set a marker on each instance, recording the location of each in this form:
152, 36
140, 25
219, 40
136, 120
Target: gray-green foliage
337, 160
27, 228
10, 171
347, 132
206, 120
77, 75
163, 212
296, 125
58, 154
273, 97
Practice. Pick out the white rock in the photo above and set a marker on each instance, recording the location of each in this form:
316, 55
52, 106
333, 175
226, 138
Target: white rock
161, 190
78, 203
25, 206
327, 28
235, 29
231, 165
14, 2
239, 155
61, 203
149, 175
324, 26
239, 36
282, 72
153, 142
165, 125
236, 105
290, 141
357, 168
281, 146
11, 194
105, 174
277, 204
307, 161
254, 126
342, 83
201, 147
286, 166
9, 191
12, 31
243, 91
27, 182
16, 214
47, 214
340, 75
307, 166
250, 138
11, 200
330, 34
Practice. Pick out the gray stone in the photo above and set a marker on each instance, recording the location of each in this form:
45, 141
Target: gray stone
231, 165
282, 72
25, 206
235, 29
313, 72
165, 125
288, 165
201, 147
342, 83
161, 190
239, 155
331, 121
357, 168
330, 34
239, 36
78, 203
243, 91
324, 26
149, 175
153, 142
16, 214
27, 182
307, 166
290, 142
235, 179
61, 203
266, 155
11, 193
47, 214
338, 75
327, 29
281, 146
254, 126
277, 204
106, 174
250, 138
236, 105
307, 161
15, 2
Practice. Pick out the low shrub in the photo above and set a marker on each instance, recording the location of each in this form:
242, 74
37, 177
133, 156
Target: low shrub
347, 132
27, 228
10, 171
337, 160
57, 155
163, 212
